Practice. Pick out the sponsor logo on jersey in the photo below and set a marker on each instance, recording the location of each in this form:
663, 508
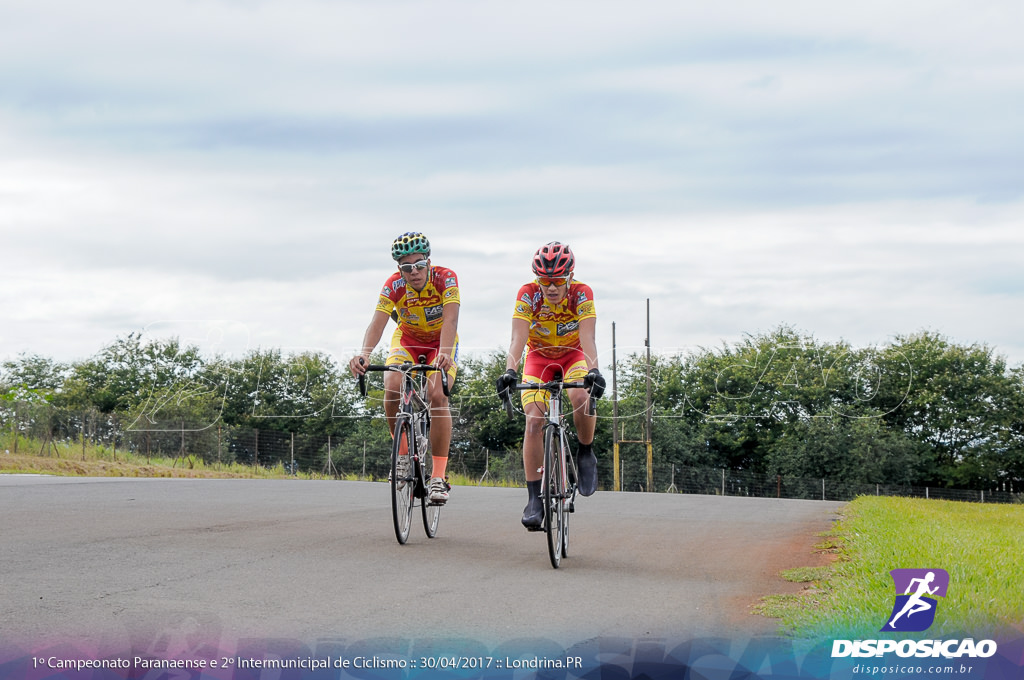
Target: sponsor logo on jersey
567, 328
423, 299
433, 313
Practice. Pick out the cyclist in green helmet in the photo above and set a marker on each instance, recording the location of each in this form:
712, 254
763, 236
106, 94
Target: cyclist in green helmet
424, 300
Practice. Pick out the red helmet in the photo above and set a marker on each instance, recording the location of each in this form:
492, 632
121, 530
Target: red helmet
553, 259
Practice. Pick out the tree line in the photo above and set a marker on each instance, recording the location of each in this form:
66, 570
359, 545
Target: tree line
918, 411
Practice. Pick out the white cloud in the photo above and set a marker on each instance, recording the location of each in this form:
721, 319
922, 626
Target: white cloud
851, 171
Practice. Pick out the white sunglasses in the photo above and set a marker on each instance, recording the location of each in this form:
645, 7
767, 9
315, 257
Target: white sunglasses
407, 268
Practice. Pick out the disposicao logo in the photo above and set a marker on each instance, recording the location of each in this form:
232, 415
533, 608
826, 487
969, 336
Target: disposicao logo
916, 590
913, 612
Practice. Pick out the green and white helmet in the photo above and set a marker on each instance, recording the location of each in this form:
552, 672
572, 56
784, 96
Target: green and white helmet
408, 243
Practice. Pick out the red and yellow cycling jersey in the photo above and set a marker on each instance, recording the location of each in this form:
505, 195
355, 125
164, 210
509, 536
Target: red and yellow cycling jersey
420, 312
554, 330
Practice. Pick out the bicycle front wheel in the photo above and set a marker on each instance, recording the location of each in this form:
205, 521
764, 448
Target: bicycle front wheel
553, 489
403, 483
431, 511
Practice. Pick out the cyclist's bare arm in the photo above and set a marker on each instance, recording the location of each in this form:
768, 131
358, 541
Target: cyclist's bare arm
520, 334
588, 343
357, 365
449, 329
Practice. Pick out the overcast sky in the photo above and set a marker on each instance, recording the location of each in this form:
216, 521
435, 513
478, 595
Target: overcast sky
233, 172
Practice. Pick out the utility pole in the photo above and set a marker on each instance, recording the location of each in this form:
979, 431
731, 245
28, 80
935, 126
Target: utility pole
648, 414
617, 484
650, 407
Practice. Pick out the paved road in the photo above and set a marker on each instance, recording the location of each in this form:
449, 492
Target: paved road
113, 560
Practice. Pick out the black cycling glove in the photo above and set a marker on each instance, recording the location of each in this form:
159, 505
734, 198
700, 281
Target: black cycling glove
505, 382
594, 382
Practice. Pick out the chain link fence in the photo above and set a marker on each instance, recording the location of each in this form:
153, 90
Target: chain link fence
743, 483
42, 430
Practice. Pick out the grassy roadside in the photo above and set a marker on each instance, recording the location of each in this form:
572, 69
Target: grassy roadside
101, 461
979, 545
129, 466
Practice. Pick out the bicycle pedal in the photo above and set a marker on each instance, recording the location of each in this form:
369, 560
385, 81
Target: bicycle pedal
532, 529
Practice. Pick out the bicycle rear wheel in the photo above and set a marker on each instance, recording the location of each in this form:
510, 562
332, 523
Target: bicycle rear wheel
403, 481
552, 490
431, 511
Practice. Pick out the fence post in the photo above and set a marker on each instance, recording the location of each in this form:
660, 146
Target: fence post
723, 481
822, 488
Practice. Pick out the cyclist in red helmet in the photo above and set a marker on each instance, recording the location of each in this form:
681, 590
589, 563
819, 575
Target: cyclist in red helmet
554, 321
424, 300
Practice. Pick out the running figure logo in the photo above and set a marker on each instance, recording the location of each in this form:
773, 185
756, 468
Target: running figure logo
914, 610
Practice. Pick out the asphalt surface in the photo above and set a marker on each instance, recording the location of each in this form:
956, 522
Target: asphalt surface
110, 561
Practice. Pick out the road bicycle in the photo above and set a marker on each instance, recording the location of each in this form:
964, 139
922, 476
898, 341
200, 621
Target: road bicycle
558, 475
411, 459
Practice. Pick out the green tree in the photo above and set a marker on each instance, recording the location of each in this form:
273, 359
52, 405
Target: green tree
961, 404
130, 371
267, 389
33, 372
479, 420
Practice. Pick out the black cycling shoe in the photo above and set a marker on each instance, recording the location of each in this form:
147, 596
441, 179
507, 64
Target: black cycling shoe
533, 514
588, 473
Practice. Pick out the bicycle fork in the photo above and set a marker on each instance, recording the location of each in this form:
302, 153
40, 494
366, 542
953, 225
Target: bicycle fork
566, 494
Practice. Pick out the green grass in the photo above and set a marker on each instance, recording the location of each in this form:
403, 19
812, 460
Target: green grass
979, 545
32, 457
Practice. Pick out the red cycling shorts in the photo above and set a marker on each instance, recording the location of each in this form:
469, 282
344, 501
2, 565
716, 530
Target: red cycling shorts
538, 368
